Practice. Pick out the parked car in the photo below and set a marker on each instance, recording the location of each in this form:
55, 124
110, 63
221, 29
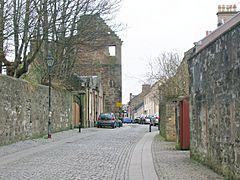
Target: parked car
148, 119
142, 120
106, 119
155, 121
127, 120
137, 120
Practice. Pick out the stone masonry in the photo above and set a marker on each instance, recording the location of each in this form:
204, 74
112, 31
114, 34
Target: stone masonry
168, 121
24, 110
96, 60
215, 101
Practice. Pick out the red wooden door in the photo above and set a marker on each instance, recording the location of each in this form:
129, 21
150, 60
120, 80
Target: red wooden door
184, 125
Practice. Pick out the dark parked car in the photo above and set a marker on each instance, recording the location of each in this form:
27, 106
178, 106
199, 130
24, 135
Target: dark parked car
106, 119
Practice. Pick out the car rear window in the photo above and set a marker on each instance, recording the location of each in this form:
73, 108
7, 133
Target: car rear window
105, 116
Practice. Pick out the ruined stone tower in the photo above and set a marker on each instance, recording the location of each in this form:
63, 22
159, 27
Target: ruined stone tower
100, 55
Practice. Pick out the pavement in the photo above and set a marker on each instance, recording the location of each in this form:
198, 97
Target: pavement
141, 165
153, 159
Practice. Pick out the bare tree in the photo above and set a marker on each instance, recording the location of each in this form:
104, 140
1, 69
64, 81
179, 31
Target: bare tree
18, 22
1, 33
39, 26
170, 74
5, 26
164, 66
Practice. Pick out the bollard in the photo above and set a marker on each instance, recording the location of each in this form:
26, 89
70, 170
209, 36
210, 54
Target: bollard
79, 127
150, 127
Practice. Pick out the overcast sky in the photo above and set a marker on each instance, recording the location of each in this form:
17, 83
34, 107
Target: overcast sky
156, 26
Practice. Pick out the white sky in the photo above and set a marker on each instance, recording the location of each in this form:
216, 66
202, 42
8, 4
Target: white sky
156, 26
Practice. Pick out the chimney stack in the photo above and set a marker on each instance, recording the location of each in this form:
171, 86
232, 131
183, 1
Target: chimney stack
225, 12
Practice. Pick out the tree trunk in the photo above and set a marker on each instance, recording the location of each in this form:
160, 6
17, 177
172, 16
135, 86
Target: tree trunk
2, 56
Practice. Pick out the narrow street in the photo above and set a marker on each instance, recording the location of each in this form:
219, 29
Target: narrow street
99, 154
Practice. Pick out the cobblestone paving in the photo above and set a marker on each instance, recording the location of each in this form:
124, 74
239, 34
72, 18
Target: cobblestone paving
171, 164
94, 154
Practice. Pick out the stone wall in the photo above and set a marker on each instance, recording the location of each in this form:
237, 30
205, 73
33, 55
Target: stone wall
168, 121
215, 104
24, 110
170, 93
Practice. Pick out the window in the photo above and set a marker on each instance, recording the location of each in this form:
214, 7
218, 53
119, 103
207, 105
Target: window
112, 50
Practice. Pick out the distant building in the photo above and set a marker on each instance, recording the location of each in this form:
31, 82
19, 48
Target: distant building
136, 102
151, 100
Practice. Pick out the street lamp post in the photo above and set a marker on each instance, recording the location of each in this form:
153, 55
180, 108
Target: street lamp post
50, 61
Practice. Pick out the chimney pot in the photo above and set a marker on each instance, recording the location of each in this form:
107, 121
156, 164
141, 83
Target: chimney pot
219, 8
208, 32
225, 12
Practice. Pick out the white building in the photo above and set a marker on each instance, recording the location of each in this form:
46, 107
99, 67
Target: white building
151, 101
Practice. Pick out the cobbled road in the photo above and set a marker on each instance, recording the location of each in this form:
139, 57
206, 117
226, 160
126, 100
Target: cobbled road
94, 154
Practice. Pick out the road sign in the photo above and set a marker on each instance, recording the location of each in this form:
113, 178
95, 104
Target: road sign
118, 104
